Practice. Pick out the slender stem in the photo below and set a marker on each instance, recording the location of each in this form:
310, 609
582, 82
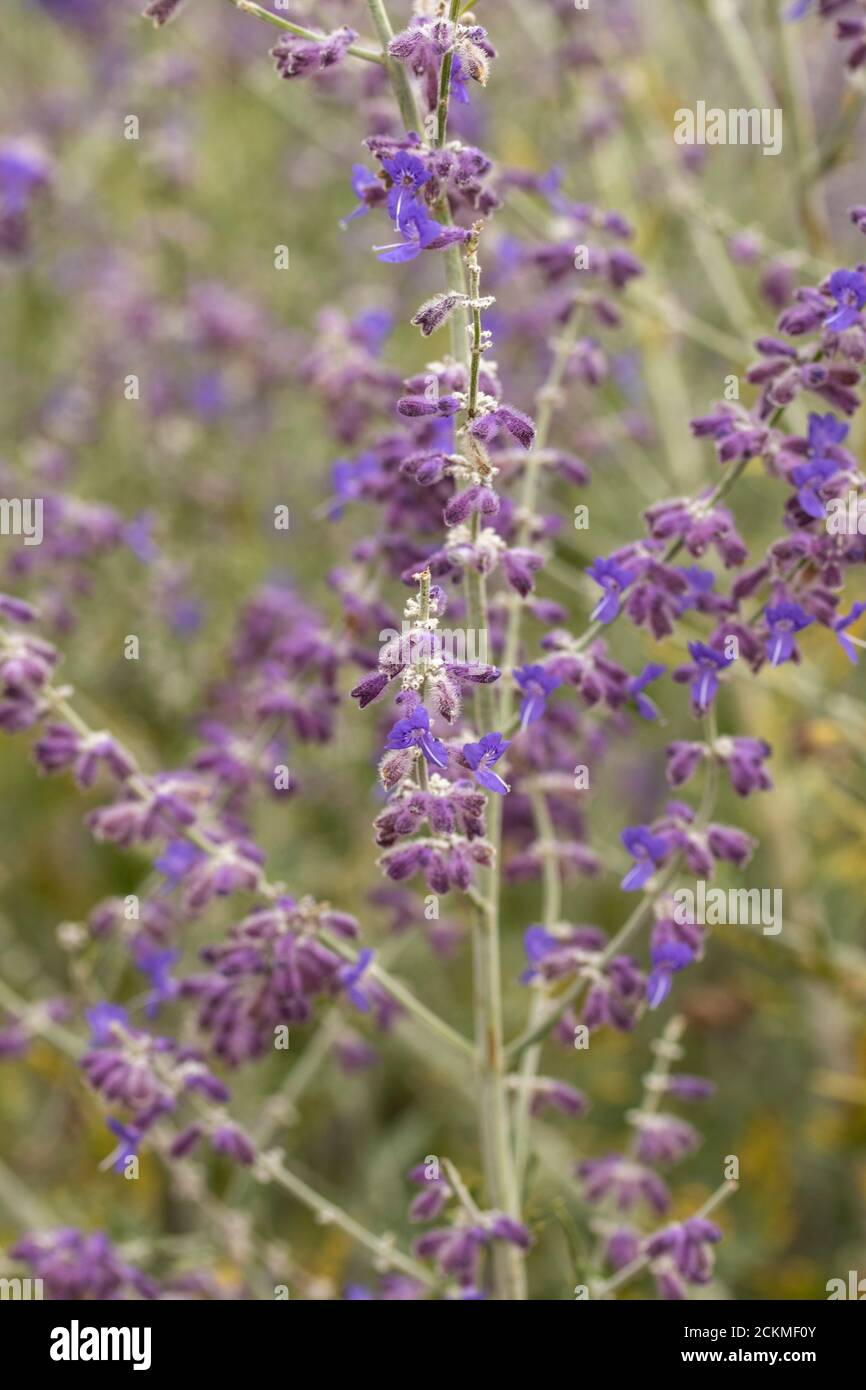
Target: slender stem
385, 1253
798, 92
548, 398
36, 1016
500, 1175
741, 51
445, 83
463, 1194
551, 912
397, 73
666, 1050
404, 996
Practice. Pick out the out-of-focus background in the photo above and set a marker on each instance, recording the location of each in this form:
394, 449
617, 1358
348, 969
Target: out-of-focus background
153, 257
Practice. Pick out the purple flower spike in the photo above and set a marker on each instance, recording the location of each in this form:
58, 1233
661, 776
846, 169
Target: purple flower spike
848, 288
297, 57
613, 579
482, 757
415, 732
784, 620
649, 852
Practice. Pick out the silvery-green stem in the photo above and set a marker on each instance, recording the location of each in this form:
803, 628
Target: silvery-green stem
548, 398
665, 1051
402, 994
500, 1175
497, 1158
550, 914
445, 82
386, 1255
396, 72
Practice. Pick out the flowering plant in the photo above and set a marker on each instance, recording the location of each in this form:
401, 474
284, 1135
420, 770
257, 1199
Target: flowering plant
495, 737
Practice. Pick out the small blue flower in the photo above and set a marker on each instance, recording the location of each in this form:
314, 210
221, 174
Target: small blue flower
636, 686
666, 959
176, 860
708, 662
785, 620
157, 965
138, 535
415, 731
840, 627
419, 231
363, 182
348, 478
408, 175
647, 850
613, 579
537, 943
350, 976
129, 1137
848, 288
101, 1019
536, 684
825, 432
482, 756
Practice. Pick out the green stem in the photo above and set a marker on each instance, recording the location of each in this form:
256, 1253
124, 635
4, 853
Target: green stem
386, 1254
396, 72
445, 83
411, 1003
550, 915
548, 398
